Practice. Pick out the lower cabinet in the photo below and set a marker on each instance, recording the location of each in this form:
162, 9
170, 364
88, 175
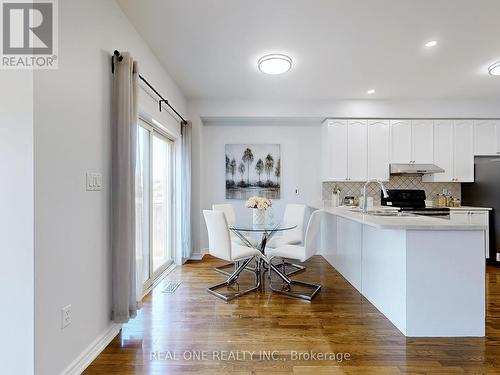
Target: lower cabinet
478, 217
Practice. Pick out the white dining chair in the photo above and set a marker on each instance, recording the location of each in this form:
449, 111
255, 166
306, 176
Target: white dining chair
294, 215
228, 211
220, 246
300, 253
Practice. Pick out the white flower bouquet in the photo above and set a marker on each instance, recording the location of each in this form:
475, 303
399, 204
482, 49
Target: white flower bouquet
259, 203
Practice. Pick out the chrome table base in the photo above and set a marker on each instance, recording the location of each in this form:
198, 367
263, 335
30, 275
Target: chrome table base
283, 270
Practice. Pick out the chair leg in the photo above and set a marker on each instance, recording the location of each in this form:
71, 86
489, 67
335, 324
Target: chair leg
295, 268
221, 269
231, 280
289, 282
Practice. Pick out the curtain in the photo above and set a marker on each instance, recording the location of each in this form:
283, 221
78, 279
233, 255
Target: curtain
186, 190
124, 134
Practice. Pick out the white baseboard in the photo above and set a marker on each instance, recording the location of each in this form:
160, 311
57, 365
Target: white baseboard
200, 255
92, 351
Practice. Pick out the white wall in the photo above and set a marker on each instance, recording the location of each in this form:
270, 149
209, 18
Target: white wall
16, 221
300, 155
72, 136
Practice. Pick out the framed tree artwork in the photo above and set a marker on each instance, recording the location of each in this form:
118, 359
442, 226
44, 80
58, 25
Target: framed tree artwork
253, 170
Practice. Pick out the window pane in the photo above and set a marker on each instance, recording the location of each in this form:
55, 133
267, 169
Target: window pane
142, 202
161, 202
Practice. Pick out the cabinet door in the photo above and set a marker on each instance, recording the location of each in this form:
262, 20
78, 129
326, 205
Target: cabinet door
486, 137
378, 149
337, 146
357, 150
422, 135
400, 141
464, 151
443, 150
461, 217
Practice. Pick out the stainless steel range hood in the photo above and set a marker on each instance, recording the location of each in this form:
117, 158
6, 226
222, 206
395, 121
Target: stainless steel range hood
398, 169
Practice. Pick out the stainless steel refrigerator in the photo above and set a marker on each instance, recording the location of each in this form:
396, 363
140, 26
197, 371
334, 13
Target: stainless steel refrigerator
485, 192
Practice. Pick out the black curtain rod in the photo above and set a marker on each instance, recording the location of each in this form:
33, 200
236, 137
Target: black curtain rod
162, 99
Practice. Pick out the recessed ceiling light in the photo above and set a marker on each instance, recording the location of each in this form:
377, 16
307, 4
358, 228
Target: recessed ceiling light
371, 91
431, 43
274, 64
494, 69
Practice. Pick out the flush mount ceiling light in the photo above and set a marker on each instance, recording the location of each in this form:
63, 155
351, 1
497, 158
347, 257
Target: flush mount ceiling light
431, 43
494, 69
274, 64
371, 91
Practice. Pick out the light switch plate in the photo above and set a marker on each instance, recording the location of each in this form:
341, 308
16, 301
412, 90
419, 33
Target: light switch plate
65, 316
94, 181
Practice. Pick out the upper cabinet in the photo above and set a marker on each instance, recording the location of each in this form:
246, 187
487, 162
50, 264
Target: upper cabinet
358, 150
422, 132
344, 145
401, 141
334, 150
453, 151
412, 141
464, 150
378, 149
486, 137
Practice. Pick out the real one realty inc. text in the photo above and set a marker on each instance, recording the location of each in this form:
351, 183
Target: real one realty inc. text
246, 355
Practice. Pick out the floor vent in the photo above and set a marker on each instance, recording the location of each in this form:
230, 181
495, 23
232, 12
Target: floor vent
170, 287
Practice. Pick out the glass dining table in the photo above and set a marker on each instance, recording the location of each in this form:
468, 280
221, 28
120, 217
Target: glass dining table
266, 232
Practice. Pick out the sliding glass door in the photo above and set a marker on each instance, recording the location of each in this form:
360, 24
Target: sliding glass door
154, 203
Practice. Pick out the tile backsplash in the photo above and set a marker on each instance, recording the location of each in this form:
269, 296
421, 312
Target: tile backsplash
396, 182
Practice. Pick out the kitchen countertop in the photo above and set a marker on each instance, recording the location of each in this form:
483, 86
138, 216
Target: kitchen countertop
469, 208
398, 222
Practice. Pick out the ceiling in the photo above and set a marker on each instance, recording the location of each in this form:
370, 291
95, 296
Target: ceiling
340, 48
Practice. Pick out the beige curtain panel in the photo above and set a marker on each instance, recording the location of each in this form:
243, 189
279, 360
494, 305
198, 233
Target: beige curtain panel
124, 132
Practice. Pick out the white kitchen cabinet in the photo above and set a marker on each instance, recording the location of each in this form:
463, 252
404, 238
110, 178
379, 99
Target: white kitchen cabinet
422, 134
334, 150
477, 217
487, 137
401, 141
357, 150
378, 149
443, 151
453, 151
412, 142
464, 151
344, 155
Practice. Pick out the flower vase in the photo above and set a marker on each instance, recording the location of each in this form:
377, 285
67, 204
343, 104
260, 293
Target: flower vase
259, 216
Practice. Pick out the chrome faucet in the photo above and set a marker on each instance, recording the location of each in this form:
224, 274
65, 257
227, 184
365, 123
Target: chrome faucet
365, 198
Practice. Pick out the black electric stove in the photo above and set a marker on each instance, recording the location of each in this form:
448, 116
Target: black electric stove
412, 201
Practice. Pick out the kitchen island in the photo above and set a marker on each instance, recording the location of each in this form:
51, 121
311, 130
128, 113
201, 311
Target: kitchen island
426, 275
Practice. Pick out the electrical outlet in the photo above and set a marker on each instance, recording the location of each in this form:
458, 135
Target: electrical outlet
65, 316
94, 181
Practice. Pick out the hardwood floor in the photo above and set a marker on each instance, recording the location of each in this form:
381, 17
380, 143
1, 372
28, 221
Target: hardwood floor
339, 320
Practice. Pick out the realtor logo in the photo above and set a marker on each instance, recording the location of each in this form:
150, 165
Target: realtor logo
29, 34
